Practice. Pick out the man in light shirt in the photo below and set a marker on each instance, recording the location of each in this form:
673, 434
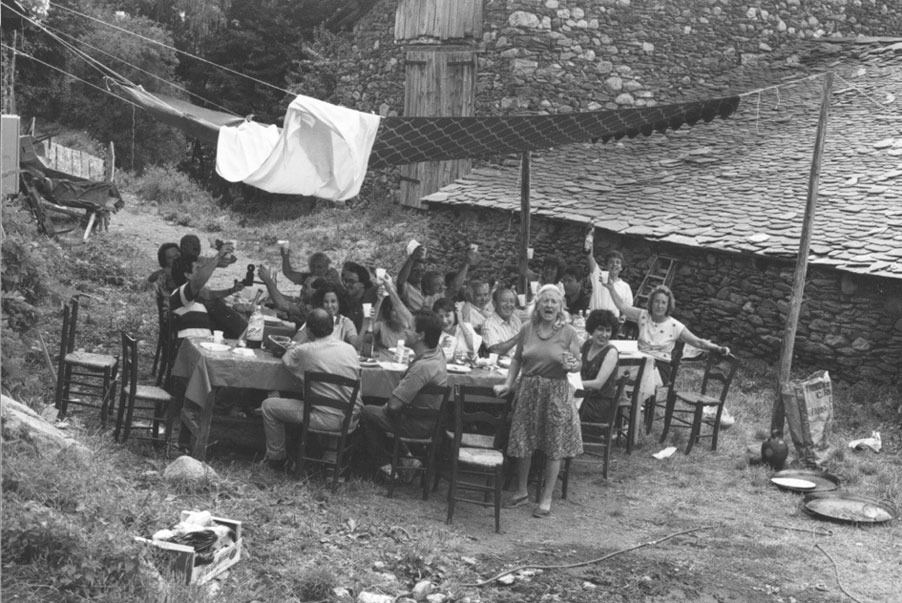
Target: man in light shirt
613, 266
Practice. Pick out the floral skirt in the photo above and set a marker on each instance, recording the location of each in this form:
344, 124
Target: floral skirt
545, 418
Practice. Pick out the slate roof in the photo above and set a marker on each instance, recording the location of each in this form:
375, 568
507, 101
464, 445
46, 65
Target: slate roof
741, 184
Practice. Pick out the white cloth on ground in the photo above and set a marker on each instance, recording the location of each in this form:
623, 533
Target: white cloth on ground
322, 151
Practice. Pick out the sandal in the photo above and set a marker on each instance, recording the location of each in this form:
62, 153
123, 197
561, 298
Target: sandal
517, 501
540, 513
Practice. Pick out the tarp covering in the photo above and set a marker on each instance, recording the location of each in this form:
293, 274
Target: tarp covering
404, 140
193, 120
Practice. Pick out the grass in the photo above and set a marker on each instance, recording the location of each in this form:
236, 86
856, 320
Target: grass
68, 522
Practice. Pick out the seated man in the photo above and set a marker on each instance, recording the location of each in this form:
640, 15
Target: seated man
576, 297
190, 275
318, 266
230, 322
323, 353
428, 368
478, 306
501, 330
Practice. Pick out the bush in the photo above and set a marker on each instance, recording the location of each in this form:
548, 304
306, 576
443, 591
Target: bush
168, 186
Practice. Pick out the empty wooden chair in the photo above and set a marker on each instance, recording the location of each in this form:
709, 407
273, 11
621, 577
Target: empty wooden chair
337, 445
687, 409
475, 465
141, 407
83, 378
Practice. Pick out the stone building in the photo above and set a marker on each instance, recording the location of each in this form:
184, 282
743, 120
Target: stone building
726, 198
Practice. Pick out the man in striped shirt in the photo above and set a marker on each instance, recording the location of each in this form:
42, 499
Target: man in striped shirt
188, 311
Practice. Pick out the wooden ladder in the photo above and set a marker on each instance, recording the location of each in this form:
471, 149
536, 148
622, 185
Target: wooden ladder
661, 272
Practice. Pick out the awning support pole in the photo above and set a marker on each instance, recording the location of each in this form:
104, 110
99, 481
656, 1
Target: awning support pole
523, 283
798, 278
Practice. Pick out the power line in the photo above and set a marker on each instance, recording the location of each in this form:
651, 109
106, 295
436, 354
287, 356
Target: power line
64, 72
50, 31
188, 54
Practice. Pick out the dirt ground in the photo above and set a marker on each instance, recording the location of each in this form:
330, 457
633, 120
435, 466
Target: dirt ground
751, 542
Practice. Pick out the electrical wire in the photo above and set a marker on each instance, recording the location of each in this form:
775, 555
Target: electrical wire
158, 43
50, 31
64, 72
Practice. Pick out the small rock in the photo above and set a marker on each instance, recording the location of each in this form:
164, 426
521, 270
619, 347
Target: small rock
506, 579
378, 565
188, 469
341, 592
422, 589
436, 598
368, 597
468, 560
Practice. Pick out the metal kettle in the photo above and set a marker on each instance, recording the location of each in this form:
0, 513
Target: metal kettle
774, 450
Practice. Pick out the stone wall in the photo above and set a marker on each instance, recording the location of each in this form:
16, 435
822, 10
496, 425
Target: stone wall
566, 55
850, 325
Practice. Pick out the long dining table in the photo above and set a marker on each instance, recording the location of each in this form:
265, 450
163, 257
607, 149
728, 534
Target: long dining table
207, 367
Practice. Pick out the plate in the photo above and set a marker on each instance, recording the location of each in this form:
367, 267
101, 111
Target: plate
458, 368
849, 508
247, 353
367, 361
793, 484
272, 319
215, 347
822, 480
393, 366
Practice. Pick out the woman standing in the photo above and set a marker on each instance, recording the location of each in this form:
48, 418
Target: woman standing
658, 330
599, 365
545, 416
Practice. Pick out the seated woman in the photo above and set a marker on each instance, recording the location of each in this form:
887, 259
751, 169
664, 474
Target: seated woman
658, 330
392, 317
599, 360
456, 336
501, 330
331, 298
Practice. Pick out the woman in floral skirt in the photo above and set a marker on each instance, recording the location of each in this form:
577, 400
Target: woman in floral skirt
545, 416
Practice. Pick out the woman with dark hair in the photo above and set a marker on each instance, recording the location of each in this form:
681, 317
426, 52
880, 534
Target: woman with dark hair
544, 416
166, 255
357, 282
599, 360
658, 330
456, 336
393, 318
331, 297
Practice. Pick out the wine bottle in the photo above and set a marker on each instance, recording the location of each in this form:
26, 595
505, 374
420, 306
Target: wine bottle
255, 328
366, 348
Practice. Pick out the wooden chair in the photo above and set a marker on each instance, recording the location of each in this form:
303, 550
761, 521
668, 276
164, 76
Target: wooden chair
429, 444
652, 405
83, 374
161, 355
340, 462
597, 436
719, 372
628, 408
149, 401
478, 414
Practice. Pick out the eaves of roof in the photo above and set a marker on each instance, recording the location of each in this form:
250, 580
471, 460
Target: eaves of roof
740, 185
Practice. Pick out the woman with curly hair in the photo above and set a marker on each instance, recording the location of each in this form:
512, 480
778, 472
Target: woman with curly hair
331, 297
545, 416
658, 330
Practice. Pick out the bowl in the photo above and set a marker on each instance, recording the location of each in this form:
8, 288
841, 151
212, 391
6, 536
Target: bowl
278, 345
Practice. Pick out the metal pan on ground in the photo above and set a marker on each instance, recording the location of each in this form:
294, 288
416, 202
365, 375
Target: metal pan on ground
847, 508
805, 480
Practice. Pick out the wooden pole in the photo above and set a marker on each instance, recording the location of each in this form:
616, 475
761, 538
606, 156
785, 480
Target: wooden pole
798, 278
523, 283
